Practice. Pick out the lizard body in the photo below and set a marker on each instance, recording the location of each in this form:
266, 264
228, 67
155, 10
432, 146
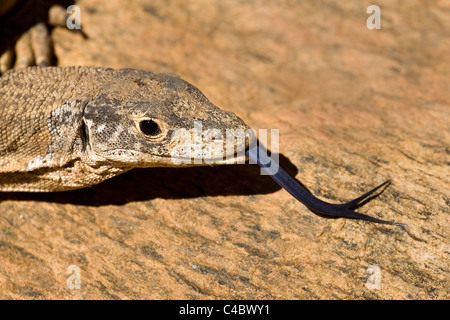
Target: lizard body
73, 127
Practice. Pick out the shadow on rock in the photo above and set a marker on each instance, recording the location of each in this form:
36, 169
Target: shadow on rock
166, 183
17, 17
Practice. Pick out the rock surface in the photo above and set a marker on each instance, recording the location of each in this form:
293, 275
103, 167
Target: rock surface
353, 106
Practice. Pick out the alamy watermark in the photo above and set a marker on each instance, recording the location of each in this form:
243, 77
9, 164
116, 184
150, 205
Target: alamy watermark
73, 21
212, 146
374, 21
74, 279
374, 279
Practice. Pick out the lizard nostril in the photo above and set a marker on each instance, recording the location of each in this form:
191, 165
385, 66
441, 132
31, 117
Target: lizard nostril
149, 128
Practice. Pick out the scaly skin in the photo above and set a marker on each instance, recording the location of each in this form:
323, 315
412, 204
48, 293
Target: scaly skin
73, 127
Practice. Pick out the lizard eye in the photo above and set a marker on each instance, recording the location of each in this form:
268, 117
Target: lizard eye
149, 128
155, 130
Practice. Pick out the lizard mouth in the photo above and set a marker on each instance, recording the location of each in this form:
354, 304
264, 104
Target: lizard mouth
237, 157
141, 159
215, 152
184, 153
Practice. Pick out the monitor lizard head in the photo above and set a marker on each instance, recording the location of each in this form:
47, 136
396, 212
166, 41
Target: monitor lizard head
142, 119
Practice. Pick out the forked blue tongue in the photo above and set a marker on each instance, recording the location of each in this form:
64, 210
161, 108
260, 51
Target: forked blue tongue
304, 196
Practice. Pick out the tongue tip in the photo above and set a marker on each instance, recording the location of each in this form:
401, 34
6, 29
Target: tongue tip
259, 156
